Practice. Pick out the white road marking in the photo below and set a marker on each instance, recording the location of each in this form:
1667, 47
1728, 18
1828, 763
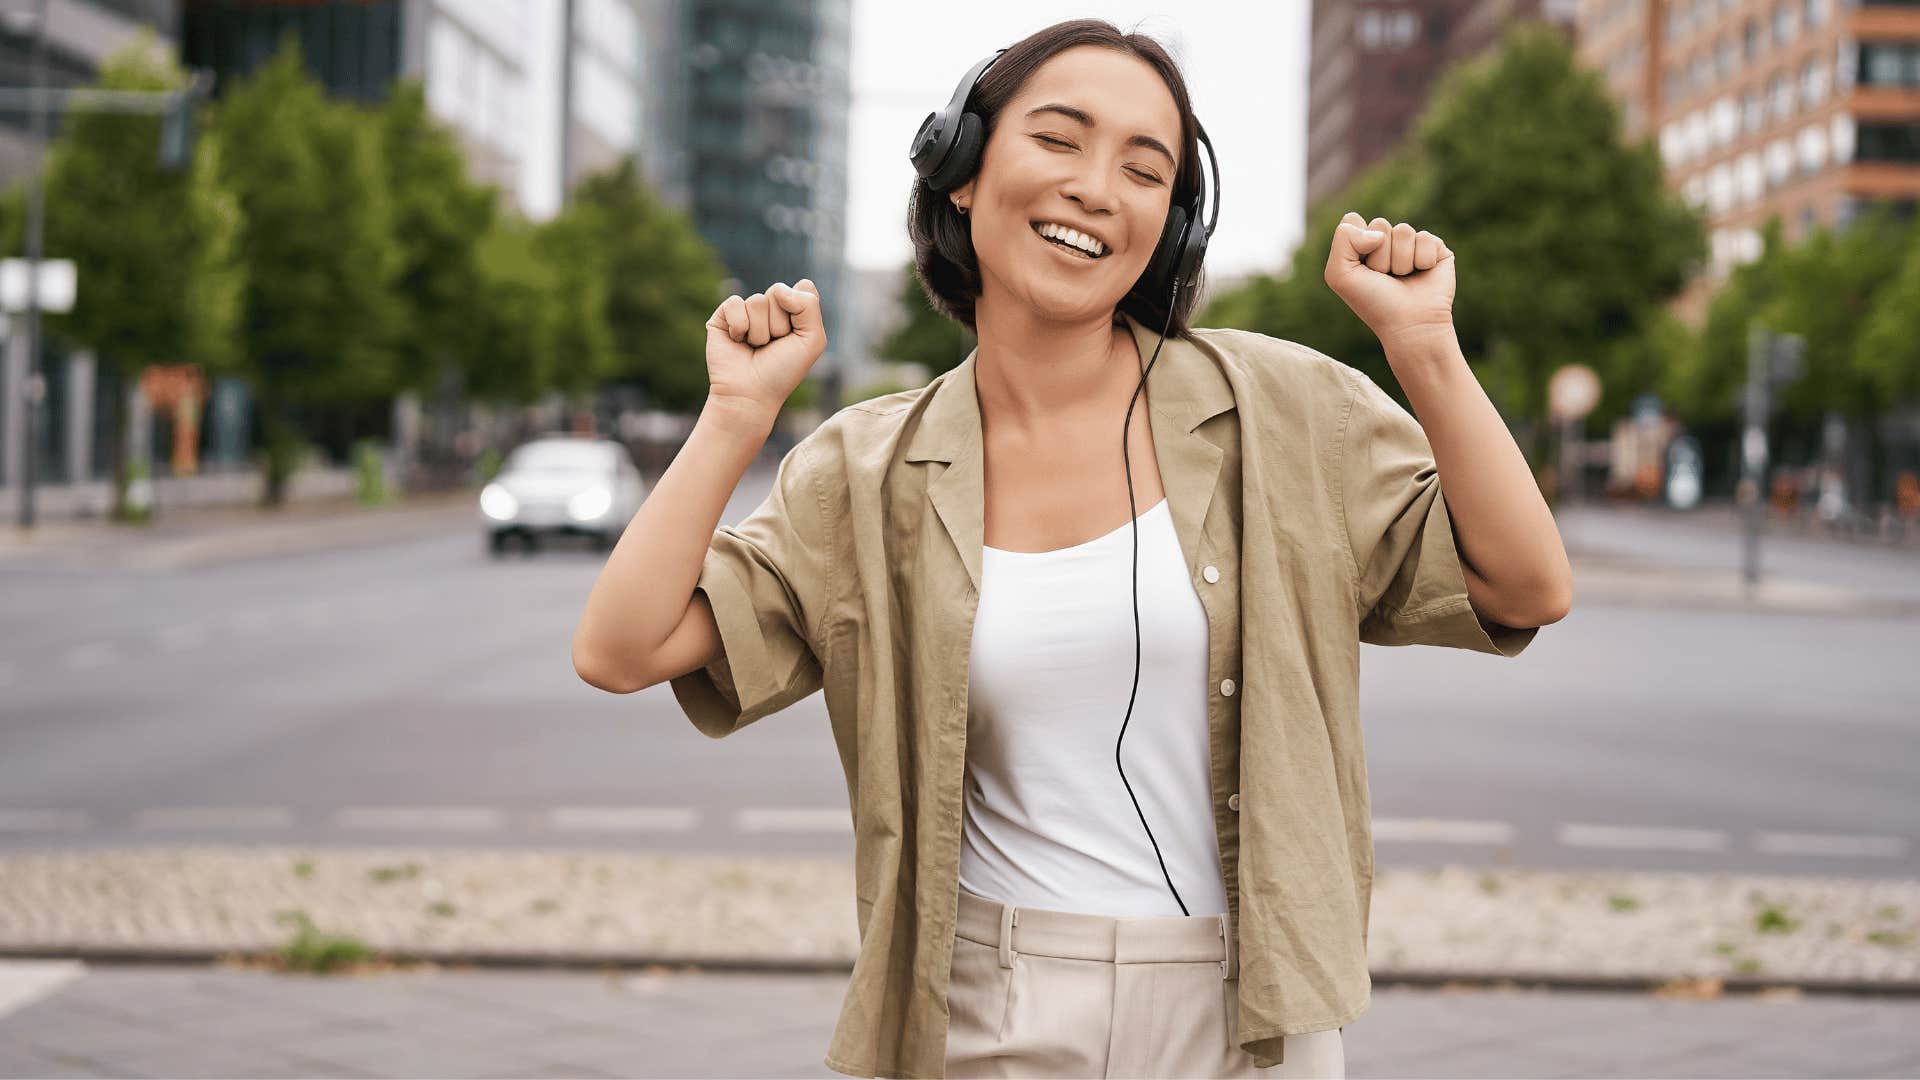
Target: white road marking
1439, 831
1642, 838
467, 818
183, 637
23, 982
1872, 847
792, 819
42, 820
622, 818
215, 817
91, 655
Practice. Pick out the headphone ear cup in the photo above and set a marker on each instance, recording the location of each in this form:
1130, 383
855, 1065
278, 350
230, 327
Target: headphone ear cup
960, 161
1166, 254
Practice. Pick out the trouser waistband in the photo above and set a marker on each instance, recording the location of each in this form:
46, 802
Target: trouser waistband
1116, 939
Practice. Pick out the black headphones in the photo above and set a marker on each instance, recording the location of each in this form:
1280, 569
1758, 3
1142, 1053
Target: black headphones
946, 150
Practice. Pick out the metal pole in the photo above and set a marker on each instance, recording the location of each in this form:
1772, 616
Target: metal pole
566, 101
35, 388
1753, 448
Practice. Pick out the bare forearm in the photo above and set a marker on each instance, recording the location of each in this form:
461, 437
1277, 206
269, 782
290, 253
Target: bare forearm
643, 591
1504, 529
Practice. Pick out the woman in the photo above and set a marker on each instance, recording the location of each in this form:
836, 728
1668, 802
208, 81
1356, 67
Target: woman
946, 564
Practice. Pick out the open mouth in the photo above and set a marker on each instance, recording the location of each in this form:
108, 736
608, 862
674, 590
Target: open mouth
1068, 246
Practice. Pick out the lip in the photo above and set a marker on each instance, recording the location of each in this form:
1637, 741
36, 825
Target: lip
1035, 224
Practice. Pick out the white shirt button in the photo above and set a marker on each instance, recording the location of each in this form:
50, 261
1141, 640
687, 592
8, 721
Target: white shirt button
1226, 687
1233, 802
1211, 574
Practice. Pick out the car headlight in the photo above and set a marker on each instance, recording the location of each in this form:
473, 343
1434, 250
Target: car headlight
590, 504
498, 503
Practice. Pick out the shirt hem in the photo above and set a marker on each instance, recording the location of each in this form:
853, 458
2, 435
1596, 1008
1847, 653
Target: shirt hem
1306, 1027
868, 1071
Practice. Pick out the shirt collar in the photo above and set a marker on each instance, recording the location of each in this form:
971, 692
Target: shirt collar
1185, 386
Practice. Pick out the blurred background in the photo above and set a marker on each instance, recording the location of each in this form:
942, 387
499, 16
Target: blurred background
341, 337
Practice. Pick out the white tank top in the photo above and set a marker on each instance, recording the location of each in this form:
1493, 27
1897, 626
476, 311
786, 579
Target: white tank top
1048, 822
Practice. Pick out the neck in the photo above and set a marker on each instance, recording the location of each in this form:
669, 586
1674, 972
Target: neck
1032, 372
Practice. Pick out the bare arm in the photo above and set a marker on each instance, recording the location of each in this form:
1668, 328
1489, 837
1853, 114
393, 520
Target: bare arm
643, 622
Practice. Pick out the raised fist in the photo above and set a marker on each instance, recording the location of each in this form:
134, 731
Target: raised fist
759, 348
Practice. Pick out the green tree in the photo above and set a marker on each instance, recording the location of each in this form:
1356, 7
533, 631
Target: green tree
1828, 286
156, 249
321, 320
519, 320
1887, 351
1567, 236
925, 337
657, 272
440, 218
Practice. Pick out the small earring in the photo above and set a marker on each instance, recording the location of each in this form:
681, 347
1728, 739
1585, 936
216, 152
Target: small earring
960, 207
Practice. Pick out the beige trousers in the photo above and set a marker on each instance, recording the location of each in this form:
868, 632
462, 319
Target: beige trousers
1055, 993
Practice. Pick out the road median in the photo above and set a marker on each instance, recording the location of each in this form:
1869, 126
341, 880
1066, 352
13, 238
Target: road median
582, 909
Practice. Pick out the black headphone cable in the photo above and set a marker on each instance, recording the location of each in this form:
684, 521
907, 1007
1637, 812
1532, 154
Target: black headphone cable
1127, 459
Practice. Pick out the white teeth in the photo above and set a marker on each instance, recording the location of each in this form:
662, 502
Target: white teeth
1078, 239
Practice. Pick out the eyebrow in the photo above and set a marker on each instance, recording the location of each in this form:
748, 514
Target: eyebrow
1083, 117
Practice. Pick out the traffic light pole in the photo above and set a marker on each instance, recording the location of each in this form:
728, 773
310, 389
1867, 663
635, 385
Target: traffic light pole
36, 384
1772, 359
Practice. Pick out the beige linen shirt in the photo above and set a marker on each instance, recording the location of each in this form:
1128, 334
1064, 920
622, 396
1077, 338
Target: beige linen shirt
1309, 509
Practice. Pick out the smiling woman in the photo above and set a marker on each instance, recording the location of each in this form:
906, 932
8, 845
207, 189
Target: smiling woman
1086, 162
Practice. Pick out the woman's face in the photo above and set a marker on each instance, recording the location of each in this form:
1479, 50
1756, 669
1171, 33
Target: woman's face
1090, 143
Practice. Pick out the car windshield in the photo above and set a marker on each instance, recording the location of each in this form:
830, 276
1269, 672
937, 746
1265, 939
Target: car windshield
561, 457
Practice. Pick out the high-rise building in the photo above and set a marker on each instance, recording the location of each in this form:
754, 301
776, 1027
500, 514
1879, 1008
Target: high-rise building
768, 94
1802, 108
1373, 64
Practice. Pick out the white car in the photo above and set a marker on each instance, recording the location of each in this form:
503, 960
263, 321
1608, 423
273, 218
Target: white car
562, 485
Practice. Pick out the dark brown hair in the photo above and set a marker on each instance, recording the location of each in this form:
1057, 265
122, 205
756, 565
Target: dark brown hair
943, 255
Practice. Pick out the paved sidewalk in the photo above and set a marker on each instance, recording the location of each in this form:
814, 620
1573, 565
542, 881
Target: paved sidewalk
211, 1022
186, 538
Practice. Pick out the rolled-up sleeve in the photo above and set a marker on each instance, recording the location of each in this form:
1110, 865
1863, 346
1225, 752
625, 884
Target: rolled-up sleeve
768, 580
1409, 584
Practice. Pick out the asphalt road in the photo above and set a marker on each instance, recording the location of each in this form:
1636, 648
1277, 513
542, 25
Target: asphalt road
419, 692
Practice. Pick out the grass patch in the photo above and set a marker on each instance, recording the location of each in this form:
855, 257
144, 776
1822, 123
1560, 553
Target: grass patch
1622, 903
384, 874
311, 949
1772, 920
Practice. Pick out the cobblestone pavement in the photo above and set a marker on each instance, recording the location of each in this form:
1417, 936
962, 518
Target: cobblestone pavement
583, 908
213, 1022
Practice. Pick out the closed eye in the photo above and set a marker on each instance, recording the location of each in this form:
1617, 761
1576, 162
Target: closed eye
1141, 173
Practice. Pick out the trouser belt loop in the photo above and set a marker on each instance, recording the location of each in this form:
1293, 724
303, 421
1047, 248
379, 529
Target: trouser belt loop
1228, 969
1009, 918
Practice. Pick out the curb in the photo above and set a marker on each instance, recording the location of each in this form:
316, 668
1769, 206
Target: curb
617, 961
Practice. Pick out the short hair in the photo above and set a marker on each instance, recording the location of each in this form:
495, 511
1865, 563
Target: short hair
943, 255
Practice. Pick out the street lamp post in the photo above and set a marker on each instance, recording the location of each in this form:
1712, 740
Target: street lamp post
35, 388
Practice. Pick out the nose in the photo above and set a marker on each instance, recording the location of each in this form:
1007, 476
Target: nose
1091, 185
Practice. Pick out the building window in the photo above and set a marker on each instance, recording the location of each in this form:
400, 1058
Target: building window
1890, 63
1840, 134
1813, 83
1781, 91
1389, 28
1812, 146
1753, 111
1786, 23
1816, 12
1887, 142
1755, 39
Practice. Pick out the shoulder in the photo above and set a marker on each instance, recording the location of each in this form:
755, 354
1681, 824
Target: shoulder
1278, 367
